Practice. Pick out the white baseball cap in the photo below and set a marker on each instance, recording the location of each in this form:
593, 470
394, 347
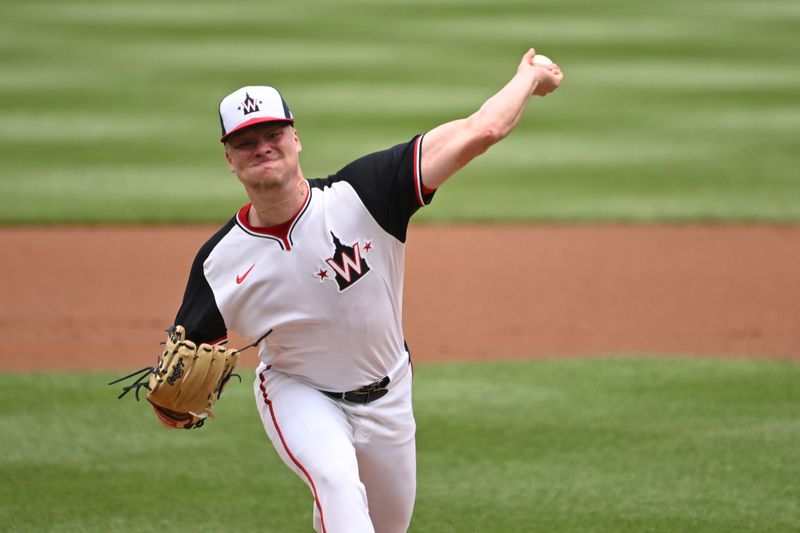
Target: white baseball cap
252, 105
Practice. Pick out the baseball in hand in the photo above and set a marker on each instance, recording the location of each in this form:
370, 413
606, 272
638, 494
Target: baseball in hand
540, 59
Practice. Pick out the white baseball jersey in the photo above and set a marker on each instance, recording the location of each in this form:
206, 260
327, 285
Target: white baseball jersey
328, 283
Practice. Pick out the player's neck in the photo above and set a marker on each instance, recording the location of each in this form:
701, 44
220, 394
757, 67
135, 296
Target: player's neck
273, 209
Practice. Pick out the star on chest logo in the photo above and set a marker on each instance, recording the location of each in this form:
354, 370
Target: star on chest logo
347, 265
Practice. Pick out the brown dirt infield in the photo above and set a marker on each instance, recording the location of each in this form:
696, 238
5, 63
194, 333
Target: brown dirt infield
100, 298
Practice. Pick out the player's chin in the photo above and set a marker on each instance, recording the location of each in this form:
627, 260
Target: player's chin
265, 181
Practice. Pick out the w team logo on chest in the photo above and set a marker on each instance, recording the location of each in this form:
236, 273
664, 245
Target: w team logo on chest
347, 265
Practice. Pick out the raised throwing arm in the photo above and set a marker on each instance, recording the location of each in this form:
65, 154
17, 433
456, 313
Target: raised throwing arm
449, 147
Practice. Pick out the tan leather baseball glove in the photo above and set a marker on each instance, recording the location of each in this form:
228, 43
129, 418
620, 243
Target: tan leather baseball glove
186, 382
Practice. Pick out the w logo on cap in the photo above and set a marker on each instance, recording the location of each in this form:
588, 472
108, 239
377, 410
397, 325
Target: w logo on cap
249, 105
252, 105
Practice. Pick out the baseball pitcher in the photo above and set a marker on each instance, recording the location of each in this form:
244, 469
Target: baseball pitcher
312, 269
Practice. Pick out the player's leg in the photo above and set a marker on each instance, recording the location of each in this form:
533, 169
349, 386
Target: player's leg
386, 451
389, 474
313, 437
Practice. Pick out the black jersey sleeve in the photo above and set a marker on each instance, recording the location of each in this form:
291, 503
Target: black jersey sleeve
389, 183
199, 313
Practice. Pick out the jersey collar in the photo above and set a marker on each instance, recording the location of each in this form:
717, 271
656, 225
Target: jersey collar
282, 233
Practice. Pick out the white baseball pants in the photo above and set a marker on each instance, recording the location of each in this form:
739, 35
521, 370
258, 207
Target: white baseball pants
358, 460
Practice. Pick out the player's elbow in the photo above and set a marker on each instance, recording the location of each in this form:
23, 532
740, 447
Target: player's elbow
484, 138
485, 134
495, 134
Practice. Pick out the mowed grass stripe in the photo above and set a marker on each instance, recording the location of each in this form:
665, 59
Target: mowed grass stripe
616, 444
660, 102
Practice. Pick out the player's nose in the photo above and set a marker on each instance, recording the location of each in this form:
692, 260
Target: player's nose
263, 144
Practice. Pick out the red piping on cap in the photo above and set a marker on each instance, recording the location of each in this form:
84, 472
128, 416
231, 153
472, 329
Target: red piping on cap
253, 122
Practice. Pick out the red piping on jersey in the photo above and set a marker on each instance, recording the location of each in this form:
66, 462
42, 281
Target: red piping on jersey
221, 340
286, 447
419, 187
418, 170
280, 232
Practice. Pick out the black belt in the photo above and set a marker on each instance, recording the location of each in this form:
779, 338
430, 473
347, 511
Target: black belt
364, 395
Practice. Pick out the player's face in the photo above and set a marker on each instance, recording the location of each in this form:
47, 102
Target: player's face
264, 156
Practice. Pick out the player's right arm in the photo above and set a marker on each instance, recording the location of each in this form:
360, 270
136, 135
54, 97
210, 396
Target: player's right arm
449, 147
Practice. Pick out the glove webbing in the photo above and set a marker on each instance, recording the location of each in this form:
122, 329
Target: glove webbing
145, 372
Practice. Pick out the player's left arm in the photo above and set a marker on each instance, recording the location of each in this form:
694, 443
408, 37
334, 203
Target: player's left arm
449, 147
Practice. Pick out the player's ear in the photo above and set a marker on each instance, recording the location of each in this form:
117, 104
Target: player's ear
296, 140
228, 158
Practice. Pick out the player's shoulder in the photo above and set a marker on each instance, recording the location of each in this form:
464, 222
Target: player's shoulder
209, 246
367, 166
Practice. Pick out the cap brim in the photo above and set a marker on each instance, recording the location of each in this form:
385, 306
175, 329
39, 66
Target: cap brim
253, 122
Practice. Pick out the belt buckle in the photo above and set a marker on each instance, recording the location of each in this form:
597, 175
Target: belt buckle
371, 392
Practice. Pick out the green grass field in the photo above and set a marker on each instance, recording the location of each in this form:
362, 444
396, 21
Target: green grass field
606, 445
682, 110
670, 111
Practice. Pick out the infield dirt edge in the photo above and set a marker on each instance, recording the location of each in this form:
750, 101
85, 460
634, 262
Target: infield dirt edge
100, 297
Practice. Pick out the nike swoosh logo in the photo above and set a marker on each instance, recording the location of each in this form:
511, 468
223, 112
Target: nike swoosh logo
240, 279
